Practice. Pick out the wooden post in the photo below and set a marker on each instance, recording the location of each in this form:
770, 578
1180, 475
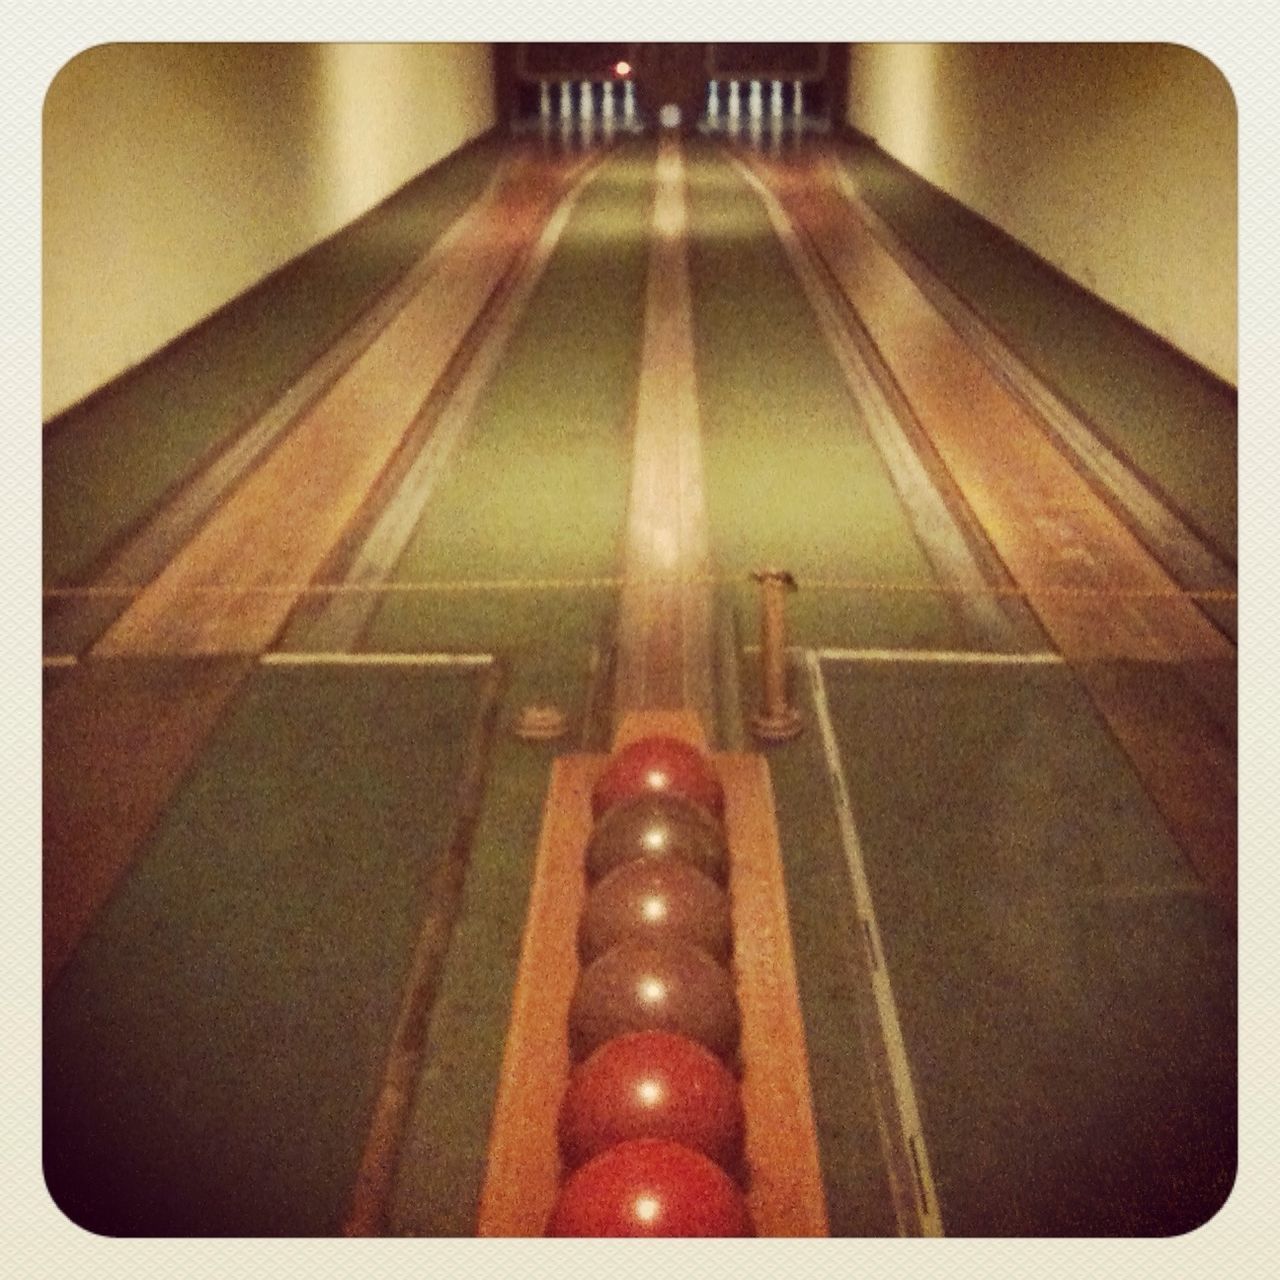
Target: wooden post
776, 720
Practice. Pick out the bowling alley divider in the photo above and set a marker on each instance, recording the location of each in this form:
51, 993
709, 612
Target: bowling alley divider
524, 1173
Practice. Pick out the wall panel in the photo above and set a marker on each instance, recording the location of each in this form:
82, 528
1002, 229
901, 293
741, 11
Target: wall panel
178, 175
1114, 162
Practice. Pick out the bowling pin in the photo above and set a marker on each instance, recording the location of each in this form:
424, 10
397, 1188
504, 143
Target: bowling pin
755, 103
566, 115
713, 103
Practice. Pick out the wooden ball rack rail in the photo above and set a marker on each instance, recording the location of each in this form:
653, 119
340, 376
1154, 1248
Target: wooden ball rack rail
783, 1182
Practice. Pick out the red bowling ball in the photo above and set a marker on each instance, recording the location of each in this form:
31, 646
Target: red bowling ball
663, 764
650, 1188
652, 1084
653, 900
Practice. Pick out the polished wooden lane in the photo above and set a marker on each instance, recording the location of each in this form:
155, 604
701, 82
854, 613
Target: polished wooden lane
233, 585
664, 629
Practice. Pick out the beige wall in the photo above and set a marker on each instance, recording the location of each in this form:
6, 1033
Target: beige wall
177, 175
1116, 163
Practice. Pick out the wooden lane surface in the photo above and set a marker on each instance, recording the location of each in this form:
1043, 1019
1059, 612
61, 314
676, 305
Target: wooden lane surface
1188, 555
145, 552
664, 633
784, 1192
1051, 530
1047, 523
72, 625
368, 554
118, 739
278, 526
956, 551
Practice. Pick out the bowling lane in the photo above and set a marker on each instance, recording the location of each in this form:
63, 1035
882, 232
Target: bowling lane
213, 1050
792, 476
1170, 418
1066, 986
535, 496
274, 532
110, 460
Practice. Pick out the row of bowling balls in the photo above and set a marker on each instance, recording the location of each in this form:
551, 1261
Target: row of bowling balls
651, 1123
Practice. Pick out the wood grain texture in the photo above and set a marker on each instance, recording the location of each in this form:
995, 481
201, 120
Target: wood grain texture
1187, 553
232, 586
523, 1170
664, 633
785, 1189
369, 552
956, 551
1050, 528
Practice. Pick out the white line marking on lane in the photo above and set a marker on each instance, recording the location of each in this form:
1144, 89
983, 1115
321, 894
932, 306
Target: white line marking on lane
928, 1210
290, 658
937, 655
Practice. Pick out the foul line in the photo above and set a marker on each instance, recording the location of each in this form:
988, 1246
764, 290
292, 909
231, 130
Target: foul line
928, 1210
283, 658
614, 581
290, 658
938, 655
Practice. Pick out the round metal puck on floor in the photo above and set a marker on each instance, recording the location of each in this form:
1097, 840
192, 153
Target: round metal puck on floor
541, 722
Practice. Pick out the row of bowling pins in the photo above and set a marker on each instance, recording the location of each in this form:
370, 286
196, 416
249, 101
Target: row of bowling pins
610, 107
755, 101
